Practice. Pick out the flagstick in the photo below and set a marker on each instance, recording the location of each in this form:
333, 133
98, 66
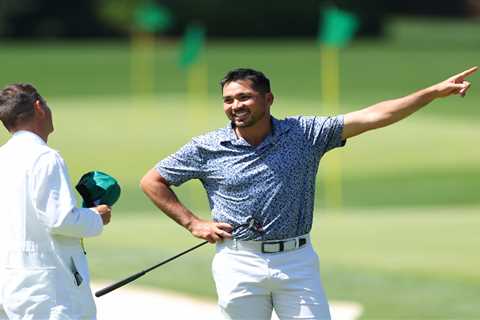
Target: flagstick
196, 112
142, 71
197, 90
330, 85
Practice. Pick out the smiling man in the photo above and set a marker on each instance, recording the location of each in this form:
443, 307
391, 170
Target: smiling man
259, 173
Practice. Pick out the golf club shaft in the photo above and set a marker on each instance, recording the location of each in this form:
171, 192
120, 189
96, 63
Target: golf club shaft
135, 276
119, 284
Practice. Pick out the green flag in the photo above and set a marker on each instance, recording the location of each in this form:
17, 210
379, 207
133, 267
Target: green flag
192, 45
151, 17
337, 27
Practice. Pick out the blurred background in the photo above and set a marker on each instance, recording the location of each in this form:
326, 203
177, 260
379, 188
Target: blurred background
131, 81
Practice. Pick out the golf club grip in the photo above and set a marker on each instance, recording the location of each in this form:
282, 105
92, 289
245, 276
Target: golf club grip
119, 284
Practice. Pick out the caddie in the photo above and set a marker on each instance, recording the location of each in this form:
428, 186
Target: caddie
43, 269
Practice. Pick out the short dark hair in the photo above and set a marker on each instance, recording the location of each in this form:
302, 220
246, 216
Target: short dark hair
16, 103
260, 82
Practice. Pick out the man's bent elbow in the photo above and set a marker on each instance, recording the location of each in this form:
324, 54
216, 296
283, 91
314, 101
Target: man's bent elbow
143, 183
147, 180
151, 181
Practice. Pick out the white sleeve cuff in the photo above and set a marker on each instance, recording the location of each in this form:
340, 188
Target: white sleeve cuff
79, 223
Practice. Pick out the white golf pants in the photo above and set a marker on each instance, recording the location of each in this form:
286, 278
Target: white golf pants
251, 283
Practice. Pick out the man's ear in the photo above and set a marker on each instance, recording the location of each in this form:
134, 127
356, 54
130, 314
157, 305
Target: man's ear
269, 98
38, 108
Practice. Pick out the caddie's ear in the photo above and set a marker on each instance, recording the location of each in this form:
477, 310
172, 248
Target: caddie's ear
38, 108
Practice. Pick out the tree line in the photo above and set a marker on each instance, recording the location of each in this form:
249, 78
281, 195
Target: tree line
222, 18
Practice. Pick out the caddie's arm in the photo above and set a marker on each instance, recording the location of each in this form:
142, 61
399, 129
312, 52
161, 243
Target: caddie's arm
390, 111
83, 222
55, 202
159, 191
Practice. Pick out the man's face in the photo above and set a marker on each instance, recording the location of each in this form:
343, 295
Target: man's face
243, 105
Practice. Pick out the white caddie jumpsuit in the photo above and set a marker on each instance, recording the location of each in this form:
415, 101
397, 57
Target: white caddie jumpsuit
43, 270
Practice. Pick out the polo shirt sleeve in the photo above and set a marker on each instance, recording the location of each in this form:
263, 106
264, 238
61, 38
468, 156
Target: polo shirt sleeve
185, 164
55, 201
324, 133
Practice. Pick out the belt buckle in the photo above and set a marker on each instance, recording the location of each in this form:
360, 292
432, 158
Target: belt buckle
266, 245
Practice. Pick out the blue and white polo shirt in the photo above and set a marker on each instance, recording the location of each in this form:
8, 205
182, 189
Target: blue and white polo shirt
273, 182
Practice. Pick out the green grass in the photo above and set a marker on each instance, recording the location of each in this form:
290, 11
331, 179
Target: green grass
423, 161
399, 264
410, 263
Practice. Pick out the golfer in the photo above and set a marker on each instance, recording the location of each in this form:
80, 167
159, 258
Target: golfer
259, 175
43, 269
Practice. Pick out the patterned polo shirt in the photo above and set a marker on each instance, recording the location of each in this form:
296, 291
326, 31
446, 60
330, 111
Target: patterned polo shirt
273, 182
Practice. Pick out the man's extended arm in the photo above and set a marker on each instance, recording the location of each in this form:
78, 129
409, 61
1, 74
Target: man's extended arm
159, 191
387, 112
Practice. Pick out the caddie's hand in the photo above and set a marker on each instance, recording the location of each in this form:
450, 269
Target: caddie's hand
105, 213
454, 85
210, 230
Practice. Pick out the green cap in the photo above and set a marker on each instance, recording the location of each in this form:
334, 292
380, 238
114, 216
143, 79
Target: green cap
97, 188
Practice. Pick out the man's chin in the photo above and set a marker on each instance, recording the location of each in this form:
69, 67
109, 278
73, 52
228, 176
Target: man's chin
242, 124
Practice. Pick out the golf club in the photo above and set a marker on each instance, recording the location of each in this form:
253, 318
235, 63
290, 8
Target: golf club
137, 275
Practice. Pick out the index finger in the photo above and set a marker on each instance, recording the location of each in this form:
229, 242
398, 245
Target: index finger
465, 73
224, 226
